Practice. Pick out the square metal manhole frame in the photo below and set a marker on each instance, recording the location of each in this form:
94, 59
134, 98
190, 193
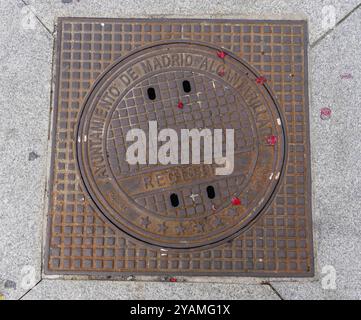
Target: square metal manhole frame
278, 244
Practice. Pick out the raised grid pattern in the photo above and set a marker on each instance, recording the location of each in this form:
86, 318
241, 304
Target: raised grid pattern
279, 243
225, 112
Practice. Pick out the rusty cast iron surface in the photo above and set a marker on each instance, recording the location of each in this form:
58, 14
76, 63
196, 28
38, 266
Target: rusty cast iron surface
109, 217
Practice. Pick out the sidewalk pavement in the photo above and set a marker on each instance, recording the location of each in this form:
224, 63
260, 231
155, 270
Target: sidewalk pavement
27, 34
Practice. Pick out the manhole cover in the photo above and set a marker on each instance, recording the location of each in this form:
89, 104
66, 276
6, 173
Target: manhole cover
110, 215
137, 198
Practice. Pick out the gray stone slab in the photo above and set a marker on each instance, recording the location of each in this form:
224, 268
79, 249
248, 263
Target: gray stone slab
25, 67
336, 149
347, 288
313, 11
71, 289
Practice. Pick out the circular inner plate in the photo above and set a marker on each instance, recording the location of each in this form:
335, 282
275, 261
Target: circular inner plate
179, 205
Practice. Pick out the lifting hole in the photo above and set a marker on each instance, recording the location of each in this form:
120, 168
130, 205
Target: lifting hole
174, 200
210, 192
187, 86
151, 93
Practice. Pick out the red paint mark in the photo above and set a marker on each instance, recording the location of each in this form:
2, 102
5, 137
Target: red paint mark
173, 280
261, 80
221, 73
180, 105
346, 76
236, 201
271, 140
221, 54
326, 113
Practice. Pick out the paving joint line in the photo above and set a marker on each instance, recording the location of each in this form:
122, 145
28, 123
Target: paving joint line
267, 283
37, 18
36, 284
48, 157
316, 42
52, 85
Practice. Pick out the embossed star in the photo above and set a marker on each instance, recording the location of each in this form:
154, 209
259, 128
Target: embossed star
232, 212
180, 229
162, 227
145, 222
199, 227
245, 200
217, 221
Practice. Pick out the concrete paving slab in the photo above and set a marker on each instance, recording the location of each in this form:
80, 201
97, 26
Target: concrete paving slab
336, 149
347, 288
70, 289
319, 13
25, 67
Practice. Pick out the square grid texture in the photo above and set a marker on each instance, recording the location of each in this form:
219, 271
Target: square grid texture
79, 241
135, 112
